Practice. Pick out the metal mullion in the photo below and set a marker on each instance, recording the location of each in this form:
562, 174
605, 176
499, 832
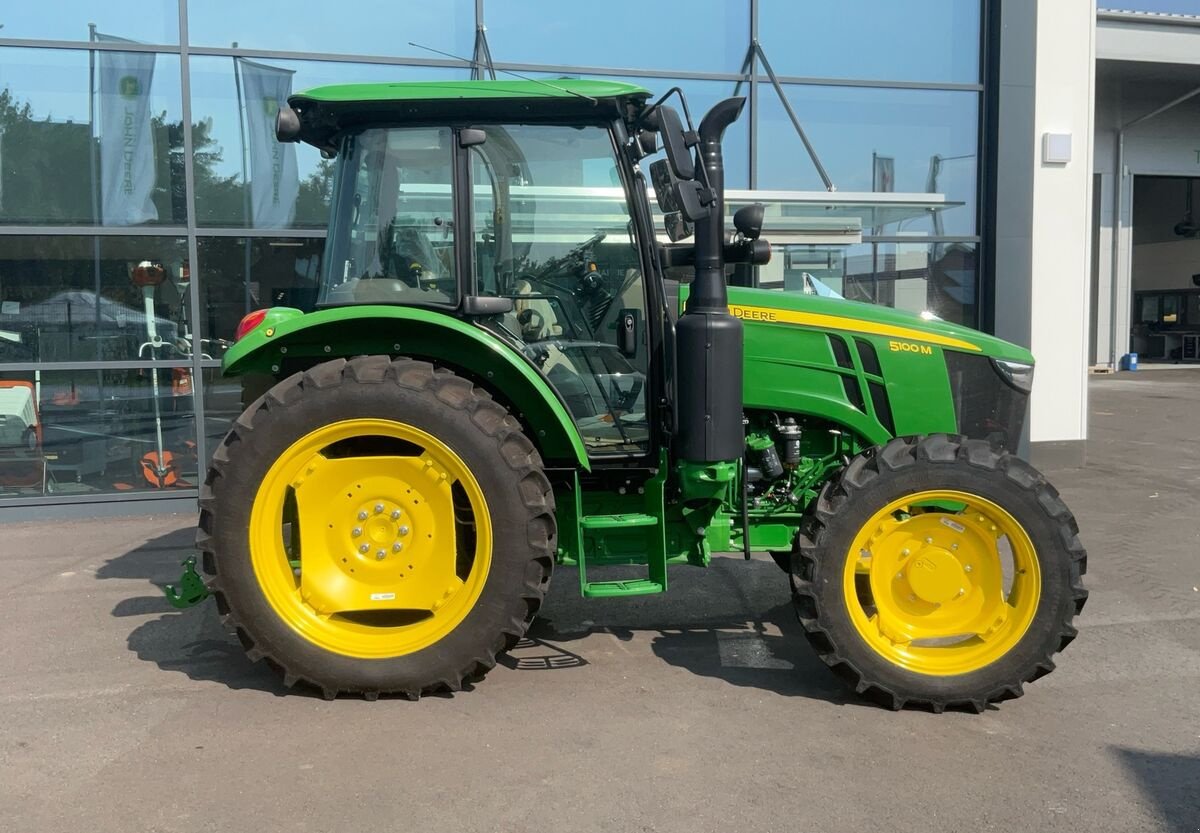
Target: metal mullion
895, 85
682, 74
93, 231
233, 231
116, 364
327, 57
945, 238
60, 498
84, 46
189, 190
753, 126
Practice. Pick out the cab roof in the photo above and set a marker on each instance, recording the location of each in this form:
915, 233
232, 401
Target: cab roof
328, 111
452, 90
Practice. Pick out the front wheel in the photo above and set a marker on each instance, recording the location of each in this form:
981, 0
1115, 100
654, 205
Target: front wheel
939, 571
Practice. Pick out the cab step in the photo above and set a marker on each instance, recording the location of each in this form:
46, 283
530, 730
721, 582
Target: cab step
617, 521
601, 526
621, 587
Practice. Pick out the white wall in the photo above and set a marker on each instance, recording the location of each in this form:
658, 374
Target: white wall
1062, 218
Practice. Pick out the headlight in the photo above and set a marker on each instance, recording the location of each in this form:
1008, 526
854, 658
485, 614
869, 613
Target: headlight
1017, 374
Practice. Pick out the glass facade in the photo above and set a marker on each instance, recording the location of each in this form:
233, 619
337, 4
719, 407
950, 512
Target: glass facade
144, 208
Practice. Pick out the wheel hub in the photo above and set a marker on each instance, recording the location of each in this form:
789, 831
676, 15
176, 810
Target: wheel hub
381, 524
926, 586
935, 575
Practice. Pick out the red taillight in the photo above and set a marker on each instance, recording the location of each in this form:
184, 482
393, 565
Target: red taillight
249, 323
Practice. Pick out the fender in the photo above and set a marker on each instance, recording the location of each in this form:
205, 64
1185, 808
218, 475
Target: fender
287, 334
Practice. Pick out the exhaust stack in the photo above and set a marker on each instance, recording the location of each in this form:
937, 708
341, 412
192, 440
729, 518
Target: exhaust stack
708, 339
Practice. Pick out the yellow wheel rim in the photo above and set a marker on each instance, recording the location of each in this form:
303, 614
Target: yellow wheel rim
370, 538
942, 582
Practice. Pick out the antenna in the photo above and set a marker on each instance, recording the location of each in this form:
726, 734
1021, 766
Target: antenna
506, 72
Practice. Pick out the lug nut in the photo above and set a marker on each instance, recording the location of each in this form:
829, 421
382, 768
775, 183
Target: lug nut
404, 530
362, 516
395, 514
396, 547
363, 548
954, 546
378, 508
928, 540
356, 531
967, 568
904, 551
379, 556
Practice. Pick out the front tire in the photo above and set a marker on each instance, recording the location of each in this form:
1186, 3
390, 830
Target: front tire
377, 526
940, 572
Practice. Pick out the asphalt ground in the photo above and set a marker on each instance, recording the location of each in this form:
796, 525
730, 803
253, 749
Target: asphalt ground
700, 710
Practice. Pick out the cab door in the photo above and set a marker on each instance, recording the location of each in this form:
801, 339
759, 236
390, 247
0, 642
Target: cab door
551, 228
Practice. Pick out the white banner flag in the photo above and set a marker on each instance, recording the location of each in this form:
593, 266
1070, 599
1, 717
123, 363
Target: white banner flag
274, 179
126, 144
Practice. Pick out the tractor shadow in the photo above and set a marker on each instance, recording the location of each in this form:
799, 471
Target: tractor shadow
192, 641
732, 622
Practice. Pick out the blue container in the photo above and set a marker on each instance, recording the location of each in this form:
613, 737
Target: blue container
1129, 361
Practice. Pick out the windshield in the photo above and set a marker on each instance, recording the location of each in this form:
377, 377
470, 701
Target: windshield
392, 240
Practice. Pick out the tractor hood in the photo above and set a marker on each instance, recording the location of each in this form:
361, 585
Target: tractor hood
836, 314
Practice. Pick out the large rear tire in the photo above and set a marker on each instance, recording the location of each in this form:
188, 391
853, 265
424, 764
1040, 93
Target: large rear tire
377, 526
939, 572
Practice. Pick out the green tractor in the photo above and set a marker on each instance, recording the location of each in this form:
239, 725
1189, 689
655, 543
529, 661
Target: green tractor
510, 370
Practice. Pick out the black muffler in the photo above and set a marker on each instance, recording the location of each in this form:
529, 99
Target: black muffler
708, 339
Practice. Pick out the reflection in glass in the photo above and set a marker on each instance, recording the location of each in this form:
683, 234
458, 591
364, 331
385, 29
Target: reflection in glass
94, 299
148, 21
704, 35
52, 170
392, 240
701, 95
917, 40
221, 166
87, 431
922, 141
940, 278
370, 27
240, 274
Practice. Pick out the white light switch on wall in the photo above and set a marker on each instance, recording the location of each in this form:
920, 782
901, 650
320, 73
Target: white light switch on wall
1056, 148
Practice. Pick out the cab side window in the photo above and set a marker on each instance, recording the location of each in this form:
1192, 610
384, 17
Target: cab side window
551, 229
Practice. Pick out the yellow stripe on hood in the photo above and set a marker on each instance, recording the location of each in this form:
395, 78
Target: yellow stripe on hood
822, 321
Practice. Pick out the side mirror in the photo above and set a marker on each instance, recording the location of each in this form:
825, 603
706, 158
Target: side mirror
660, 177
692, 198
647, 142
666, 121
749, 220
677, 227
287, 125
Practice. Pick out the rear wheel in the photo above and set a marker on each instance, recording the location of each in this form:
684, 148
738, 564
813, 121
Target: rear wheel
377, 526
939, 572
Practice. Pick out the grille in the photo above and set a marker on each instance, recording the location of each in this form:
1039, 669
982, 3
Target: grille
986, 407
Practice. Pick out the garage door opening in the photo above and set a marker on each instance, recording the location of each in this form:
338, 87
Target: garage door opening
1165, 320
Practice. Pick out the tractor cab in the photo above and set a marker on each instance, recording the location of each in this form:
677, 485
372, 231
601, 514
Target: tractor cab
532, 220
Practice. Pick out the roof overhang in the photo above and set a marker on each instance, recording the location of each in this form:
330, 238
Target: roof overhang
1147, 37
